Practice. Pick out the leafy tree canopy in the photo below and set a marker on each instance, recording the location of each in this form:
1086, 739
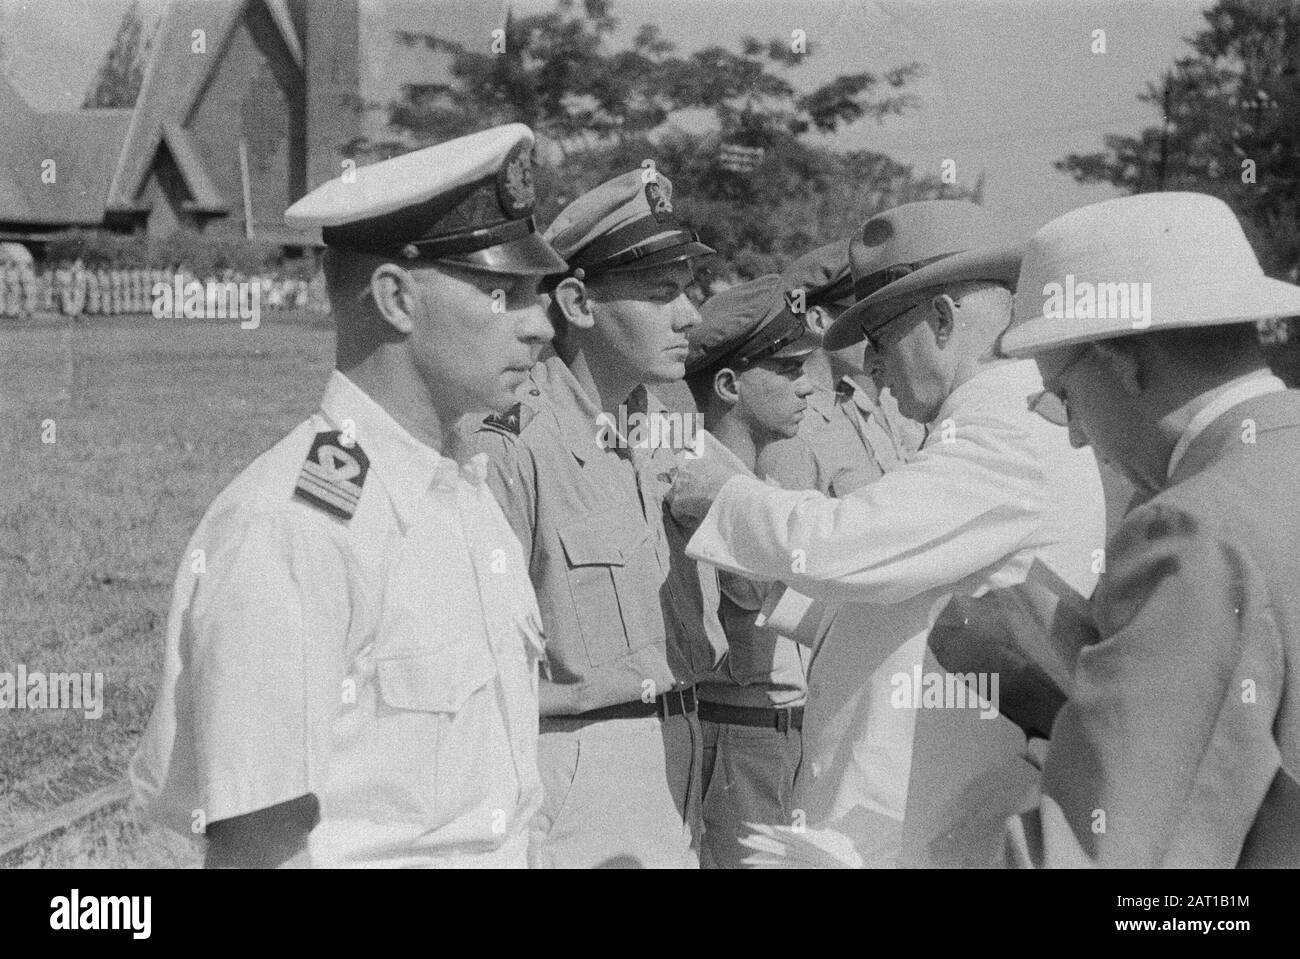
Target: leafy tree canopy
117, 82
1233, 127
603, 109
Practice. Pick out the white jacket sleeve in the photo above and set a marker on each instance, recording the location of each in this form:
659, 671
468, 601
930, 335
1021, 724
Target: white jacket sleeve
972, 497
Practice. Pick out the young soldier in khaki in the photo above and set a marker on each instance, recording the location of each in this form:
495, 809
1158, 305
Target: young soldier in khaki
620, 741
746, 372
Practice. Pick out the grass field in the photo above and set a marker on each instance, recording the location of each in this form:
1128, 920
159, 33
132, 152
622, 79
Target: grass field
149, 420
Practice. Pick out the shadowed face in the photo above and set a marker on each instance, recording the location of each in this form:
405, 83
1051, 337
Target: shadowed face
1099, 411
906, 357
477, 335
641, 319
773, 396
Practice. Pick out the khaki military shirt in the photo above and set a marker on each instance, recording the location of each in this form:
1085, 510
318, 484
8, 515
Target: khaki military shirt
847, 440
588, 509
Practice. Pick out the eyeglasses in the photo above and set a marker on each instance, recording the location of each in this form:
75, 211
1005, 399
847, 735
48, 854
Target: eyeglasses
1051, 403
1063, 371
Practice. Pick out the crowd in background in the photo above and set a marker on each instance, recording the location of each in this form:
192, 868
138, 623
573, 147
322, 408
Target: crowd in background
73, 289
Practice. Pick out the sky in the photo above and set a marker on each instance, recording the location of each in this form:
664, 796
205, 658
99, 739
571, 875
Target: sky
1009, 86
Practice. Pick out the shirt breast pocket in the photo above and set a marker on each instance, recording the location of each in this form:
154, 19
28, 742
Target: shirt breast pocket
439, 732
601, 566
442, 681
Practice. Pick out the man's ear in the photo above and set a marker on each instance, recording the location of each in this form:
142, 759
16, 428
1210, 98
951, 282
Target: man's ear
395, 295
574, 301
819, 319
1125, 364
725, 386
945, 318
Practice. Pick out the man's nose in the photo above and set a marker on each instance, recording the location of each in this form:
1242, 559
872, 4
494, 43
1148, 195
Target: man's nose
803, 387
534, 325
685, 315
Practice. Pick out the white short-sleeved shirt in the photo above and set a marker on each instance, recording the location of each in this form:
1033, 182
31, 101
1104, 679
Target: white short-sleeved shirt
385, 661
994, 488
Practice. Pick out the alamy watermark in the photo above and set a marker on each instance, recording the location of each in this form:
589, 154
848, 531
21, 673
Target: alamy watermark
76, 912
660, 429
211, 300
1085, 300
943, 690
22, 689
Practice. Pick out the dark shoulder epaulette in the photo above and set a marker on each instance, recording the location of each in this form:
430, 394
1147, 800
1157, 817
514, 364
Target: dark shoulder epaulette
333, 475
512, 421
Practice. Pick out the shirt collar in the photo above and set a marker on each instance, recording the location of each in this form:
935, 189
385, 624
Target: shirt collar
574, 409
852, 392
822, 402
407, 467
1224, 398
579, 417
994, 385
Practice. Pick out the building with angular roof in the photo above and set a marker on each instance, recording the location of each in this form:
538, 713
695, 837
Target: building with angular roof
245, 105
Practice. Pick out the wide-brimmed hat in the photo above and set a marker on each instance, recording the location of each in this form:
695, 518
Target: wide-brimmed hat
1157, 261
899, 256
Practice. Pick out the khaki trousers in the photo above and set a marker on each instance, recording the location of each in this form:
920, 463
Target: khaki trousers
619, 793
748, 777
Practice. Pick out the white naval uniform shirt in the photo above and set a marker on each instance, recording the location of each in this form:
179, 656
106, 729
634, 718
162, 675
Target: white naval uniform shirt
994, 487
386, 663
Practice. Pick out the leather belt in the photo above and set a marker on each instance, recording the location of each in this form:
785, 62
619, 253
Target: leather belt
782, 719
679, 702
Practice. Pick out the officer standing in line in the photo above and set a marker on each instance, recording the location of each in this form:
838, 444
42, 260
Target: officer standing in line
853, 433
620, 748
746, 372
351, 659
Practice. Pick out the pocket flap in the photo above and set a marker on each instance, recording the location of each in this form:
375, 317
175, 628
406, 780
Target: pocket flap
599, 544
439, 682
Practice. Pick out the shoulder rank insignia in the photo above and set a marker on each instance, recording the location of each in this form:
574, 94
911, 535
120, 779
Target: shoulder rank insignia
332, 475
511, 421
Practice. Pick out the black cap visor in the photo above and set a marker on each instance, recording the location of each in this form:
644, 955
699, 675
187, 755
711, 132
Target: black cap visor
688, 250
784, 336
529, 255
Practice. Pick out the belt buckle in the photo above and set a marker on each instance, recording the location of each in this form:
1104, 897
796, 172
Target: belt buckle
673, 695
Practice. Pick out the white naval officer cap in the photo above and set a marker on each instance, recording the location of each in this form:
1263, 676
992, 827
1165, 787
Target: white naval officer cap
468, 201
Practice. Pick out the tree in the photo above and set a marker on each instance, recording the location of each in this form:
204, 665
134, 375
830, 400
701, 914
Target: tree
604, 110
1233, 127
117, 82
